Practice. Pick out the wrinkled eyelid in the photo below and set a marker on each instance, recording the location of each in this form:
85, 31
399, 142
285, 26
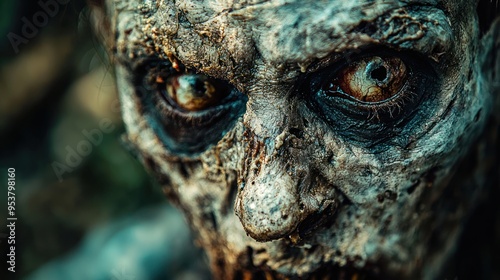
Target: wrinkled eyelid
421, 29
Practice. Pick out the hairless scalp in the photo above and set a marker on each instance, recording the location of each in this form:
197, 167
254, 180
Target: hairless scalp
285, 173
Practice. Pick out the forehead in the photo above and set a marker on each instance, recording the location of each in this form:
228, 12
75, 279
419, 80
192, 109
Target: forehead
214, 35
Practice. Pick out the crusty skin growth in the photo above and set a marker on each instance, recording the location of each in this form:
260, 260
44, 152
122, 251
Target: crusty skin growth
284, 180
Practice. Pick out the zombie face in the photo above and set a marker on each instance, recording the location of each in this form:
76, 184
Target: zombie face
305, 139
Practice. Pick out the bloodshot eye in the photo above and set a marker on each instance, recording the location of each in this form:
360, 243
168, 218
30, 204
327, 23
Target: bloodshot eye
370, 80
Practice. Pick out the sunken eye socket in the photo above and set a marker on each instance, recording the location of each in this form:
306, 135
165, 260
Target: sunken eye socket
189, 111
373, 95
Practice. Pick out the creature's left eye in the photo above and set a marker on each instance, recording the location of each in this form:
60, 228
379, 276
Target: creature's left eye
371, 95
369, 80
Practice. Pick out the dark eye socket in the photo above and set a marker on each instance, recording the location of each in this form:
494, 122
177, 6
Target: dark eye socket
371, 95
190, 111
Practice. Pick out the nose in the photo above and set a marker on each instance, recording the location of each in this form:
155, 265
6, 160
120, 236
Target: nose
275, 197
269, 204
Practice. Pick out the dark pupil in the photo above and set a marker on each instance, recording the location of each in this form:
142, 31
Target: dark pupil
197, 85
380, 73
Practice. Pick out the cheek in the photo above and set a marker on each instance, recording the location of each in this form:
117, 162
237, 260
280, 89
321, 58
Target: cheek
366, 176
209, 181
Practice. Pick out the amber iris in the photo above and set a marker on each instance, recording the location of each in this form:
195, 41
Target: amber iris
371, 80
193, 92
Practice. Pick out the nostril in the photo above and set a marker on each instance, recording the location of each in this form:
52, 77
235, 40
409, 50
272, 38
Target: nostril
301, 207
297, 132
318, 219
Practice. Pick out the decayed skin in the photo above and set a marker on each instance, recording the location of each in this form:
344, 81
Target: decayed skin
284, 193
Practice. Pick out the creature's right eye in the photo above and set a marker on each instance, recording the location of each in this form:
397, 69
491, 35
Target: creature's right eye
190, 111
370, 80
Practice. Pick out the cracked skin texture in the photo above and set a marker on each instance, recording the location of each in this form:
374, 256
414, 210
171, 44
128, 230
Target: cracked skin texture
284, 192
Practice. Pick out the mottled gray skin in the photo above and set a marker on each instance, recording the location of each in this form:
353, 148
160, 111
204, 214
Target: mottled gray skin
265, 201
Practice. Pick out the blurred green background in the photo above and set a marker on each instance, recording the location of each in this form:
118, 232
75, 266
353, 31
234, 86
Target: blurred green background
56, 86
